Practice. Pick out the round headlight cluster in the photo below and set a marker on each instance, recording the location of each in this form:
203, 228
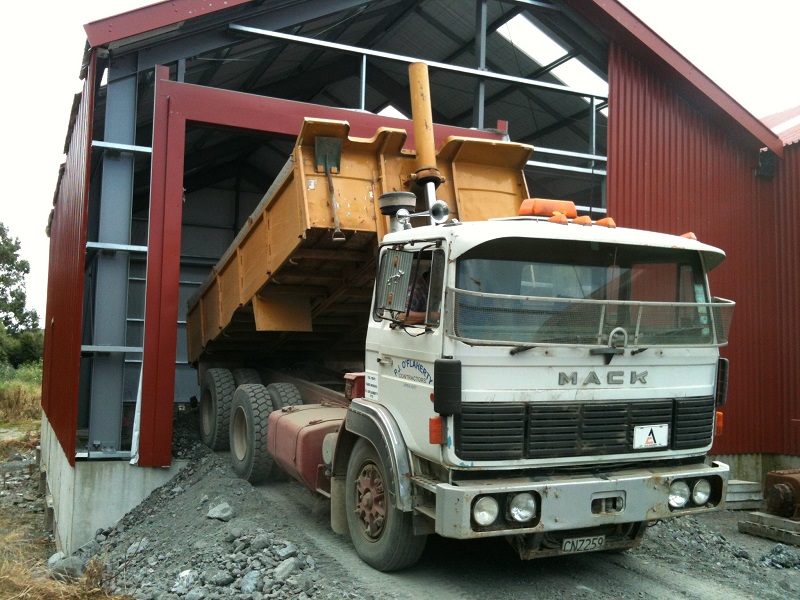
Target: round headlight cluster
522, 507
682, 492
678, 494
485, 511
701, 492
519, 508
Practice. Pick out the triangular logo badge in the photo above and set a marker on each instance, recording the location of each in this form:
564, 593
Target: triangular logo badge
651, 439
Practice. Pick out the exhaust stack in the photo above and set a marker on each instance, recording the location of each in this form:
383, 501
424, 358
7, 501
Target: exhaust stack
427, 174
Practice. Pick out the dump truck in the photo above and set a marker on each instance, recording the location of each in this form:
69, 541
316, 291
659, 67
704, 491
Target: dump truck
408, 334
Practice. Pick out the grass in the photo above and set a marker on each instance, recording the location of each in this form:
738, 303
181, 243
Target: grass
24, 579
23, 549
20, 394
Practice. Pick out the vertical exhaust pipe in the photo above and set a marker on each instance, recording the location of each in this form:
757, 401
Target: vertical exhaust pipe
426, 175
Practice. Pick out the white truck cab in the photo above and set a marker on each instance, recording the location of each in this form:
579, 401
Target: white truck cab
562, 387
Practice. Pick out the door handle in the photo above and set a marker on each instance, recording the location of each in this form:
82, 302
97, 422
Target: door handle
385, 361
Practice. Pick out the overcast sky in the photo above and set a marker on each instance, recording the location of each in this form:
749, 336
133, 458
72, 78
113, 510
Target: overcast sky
746, 47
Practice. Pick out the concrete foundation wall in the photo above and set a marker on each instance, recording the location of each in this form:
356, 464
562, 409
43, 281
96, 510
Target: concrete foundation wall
754, 467
94, 494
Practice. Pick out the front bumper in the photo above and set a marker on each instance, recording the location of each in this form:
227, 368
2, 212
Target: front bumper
576, 502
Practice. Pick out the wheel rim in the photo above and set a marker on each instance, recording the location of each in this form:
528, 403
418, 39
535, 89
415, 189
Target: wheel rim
370, 505
206, 414
239, 438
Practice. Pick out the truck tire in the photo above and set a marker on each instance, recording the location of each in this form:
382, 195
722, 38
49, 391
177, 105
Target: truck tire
284, 395
216, 392
248, 433
382, 535
242, 376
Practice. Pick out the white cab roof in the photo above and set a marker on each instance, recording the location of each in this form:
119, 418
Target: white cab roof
464, 236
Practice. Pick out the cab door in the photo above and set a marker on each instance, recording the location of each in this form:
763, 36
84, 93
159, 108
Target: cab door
400, 356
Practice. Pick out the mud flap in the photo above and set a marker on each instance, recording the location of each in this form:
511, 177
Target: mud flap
338, 506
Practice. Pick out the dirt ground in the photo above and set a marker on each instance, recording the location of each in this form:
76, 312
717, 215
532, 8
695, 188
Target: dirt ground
209, 535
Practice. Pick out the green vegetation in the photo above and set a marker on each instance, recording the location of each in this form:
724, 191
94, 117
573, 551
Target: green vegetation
20, 394
21, 340
13, 269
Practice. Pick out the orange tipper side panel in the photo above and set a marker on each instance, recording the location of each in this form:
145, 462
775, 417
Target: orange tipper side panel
487, 177
194, 332
282, 313
209, 306
228, 282
253, 259
357, 183
287, 223
295, 220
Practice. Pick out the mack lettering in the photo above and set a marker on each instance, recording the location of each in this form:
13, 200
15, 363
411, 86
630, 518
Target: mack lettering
612, 378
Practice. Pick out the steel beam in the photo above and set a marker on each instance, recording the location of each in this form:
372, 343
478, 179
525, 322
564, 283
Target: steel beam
111, 285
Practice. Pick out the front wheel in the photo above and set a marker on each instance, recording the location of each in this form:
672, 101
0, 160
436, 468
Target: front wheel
383, 535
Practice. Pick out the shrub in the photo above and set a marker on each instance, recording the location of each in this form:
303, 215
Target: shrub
20, 392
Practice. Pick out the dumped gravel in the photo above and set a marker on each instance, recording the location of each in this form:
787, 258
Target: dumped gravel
208, 535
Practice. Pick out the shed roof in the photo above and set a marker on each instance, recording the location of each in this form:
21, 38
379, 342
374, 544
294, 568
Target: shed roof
786, 124
432, 31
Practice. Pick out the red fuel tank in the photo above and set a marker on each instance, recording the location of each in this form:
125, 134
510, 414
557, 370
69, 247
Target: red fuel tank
294, 439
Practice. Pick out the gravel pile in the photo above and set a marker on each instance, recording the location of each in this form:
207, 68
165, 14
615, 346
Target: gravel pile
209, 535
18, 487
678, 540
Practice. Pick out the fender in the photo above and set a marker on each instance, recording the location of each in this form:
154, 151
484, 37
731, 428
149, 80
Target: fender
374, 423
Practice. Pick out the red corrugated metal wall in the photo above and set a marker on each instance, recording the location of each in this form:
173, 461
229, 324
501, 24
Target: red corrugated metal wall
62, 350
787, 242
670, 169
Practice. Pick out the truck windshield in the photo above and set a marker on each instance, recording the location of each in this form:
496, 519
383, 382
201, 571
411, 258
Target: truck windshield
529, 291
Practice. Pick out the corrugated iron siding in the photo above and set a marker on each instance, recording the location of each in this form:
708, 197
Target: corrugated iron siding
787, 193
670, 169
62, 351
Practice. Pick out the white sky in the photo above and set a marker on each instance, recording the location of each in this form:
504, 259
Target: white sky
746, 47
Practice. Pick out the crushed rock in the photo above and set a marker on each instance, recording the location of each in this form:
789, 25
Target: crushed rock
207, 535
170, 547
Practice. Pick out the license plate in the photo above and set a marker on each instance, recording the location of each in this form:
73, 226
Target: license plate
650, 436
583, 544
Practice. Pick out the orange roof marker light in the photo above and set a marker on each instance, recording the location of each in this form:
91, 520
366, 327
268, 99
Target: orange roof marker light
542, 207
582, 220
607, 222
689, 235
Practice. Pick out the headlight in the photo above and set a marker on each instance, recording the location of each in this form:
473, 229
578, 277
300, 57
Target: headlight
678, 494
701, 491
485, 511
522, 507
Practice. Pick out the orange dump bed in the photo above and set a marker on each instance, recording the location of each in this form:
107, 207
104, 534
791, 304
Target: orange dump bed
286, 286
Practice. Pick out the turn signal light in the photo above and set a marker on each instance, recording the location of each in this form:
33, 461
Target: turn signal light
436, 430
718, 428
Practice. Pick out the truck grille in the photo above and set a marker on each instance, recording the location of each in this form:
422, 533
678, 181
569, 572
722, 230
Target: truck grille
495, 431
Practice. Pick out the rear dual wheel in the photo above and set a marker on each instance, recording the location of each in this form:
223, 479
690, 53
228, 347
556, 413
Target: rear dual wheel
248, 433
251, 406
216, 394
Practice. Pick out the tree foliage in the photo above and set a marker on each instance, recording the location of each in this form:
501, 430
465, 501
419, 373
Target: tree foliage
13, 269
23, 348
